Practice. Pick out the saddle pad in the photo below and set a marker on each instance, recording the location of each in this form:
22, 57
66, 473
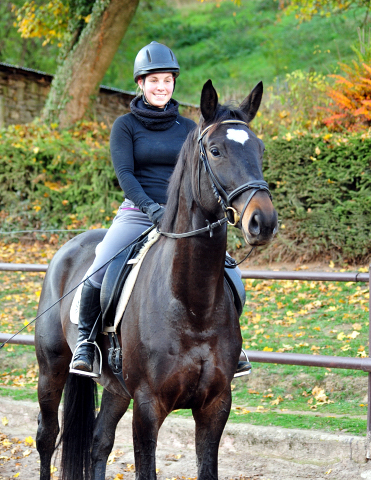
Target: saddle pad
75, 306
130, 281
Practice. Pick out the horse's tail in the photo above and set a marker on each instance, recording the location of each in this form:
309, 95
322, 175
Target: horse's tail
80, 400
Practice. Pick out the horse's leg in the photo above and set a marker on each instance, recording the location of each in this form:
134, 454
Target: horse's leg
210, 423
147, 419
112, 409
52, 377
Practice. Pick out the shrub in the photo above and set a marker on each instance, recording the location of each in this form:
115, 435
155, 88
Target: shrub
54, 178
351, 107
296, 103
321, 188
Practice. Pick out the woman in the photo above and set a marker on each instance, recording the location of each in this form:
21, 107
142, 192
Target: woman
144, 146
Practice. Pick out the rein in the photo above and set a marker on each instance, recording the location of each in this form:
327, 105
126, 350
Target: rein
232, 217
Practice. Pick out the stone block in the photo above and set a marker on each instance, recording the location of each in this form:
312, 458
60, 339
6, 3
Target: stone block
2, 112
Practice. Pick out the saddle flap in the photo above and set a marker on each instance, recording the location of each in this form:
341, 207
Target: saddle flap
237, 287
114, 279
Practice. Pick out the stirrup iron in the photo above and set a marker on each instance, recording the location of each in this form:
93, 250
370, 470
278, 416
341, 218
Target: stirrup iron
81, 372
246, 367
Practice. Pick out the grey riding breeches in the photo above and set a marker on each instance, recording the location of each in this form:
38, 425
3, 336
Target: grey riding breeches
127, 225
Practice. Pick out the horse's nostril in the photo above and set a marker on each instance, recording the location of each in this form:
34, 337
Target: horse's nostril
254, 225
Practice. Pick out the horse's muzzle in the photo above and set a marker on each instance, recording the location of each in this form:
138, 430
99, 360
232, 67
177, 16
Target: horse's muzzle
259, 223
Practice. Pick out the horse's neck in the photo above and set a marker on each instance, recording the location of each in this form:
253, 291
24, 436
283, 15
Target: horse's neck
198, 261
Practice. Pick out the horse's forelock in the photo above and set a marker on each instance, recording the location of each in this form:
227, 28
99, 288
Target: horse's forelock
226, 112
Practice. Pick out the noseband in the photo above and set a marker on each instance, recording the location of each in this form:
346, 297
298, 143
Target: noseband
225, 199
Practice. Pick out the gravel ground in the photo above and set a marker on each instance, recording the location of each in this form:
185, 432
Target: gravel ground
246, 451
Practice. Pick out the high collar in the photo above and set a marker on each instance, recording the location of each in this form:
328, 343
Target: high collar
154, 118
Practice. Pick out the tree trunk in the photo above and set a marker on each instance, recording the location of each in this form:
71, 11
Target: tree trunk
77, 80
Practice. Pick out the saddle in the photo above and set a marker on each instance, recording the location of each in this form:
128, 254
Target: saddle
235, 284
114, 280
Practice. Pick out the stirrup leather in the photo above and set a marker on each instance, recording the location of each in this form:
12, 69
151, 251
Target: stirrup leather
81, 372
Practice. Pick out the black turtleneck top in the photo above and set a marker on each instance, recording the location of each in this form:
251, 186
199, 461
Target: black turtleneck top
144, 158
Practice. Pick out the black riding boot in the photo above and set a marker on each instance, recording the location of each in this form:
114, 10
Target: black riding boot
89, 311
244, 366
234, 281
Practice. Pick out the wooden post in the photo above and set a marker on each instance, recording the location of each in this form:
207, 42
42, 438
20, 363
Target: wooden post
368, 441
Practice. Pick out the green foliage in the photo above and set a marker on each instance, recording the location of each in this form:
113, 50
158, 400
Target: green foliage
54, 20
305, 10
56, 178
49, 20
23, 51
286, 108
234, 46
321, 189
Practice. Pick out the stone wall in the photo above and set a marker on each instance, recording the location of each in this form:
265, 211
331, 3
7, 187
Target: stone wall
23, 93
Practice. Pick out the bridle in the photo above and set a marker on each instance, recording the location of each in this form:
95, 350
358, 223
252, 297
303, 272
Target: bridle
232, 217
225, 199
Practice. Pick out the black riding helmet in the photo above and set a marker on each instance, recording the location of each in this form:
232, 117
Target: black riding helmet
155, 57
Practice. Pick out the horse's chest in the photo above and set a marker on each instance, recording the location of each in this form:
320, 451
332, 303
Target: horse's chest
189, 376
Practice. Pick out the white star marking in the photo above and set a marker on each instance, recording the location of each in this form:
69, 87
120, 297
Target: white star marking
240, 136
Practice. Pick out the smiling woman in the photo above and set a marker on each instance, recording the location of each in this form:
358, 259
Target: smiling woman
157, 88
145, 145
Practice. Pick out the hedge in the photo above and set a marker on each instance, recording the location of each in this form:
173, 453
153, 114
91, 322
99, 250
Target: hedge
56, 179
321, 186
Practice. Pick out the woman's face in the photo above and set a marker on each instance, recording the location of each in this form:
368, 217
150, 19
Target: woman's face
157, 88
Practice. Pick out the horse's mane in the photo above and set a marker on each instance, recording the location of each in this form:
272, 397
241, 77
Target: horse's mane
188, 155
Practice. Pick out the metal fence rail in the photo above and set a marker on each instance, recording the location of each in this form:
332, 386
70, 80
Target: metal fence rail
351, 363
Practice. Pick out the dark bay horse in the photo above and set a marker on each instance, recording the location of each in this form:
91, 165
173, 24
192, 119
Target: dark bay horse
180, 333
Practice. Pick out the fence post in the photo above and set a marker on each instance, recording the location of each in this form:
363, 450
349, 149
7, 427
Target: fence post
368, 441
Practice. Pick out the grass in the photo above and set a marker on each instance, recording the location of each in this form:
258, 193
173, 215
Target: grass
344, 425
355, 426
235, 46
329, 318
306, 317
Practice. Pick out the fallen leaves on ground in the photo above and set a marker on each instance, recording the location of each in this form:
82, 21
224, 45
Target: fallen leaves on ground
329, 318
15, 378
15, 449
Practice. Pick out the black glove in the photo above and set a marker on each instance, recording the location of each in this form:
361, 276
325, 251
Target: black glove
155, 212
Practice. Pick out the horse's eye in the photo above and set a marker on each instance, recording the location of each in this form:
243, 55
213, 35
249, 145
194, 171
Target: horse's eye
214, 152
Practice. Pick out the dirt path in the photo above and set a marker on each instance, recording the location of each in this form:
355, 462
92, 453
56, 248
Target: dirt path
242, 455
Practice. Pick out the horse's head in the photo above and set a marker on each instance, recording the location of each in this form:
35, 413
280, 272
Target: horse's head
232, 156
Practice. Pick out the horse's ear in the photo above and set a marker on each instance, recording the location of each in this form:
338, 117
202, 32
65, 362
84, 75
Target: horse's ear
251, 104
209, 101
